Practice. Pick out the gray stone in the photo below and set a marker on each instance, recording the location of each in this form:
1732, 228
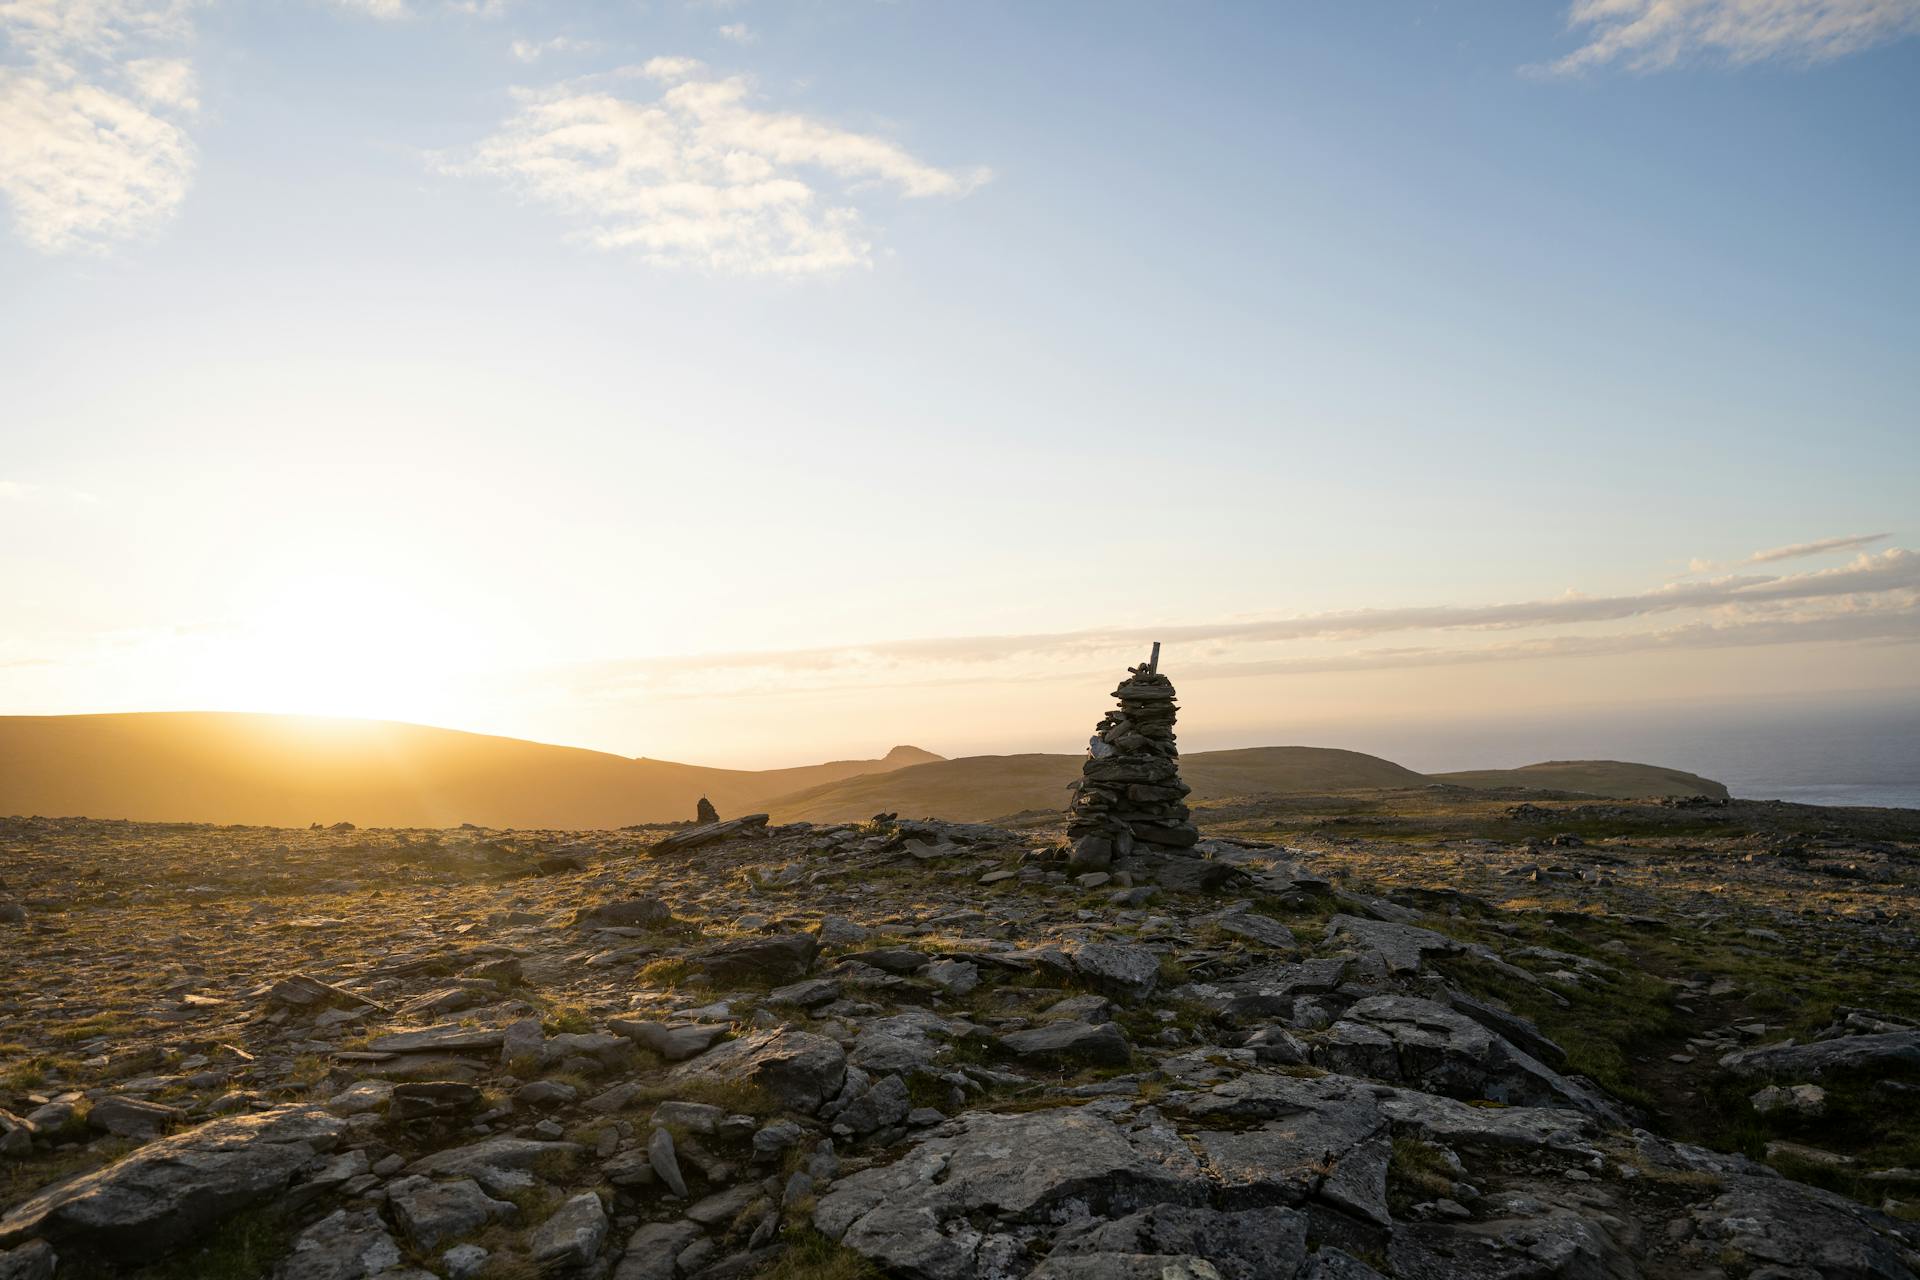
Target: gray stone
133, 1118
809, 993
34, 1260
464, 1261
1103, 1045
341, 1246
957, 976
1255, 927
1804, 1230
694, 1117
780, 959
500, 1164
634, 913
1249, 1244
666, 1164
172, 1190
1810, 1061
420, 1100
884, 1103
674, 1041
1118, 969
429, 1212
1402, 946
572, 1237
799, 1068
651, 1251
448, 1037
917, 1215
545, 1093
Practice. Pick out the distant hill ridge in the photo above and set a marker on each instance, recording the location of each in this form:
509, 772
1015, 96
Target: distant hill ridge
268, 770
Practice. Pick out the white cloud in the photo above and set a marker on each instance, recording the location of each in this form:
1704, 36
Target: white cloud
92, 145
384, 10
1799, 550
738, 32
1657, 35
699, 176
534, 50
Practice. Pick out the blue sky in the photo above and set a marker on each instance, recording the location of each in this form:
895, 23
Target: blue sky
523, 361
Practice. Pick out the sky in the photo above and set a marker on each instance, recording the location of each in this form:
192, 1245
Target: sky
755, 382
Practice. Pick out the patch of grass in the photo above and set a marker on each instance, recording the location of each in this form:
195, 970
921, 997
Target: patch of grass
735, 1097
1602, 1028
811, 1256
563, 1019
668, 973
1862, 1119
20, 1177
1416, 1171
101, 1024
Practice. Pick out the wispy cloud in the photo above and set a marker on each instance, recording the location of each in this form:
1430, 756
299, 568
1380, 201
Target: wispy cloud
1874, 598
1658, 35
92, 145
738, 32
1799, 550
534, 50
699, 176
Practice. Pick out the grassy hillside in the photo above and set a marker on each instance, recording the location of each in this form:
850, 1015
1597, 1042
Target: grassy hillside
976, 788
1618, 779
292, 770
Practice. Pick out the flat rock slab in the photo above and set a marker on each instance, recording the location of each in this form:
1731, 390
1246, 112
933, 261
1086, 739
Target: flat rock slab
917, 1215
784, 958
694, 837
1103, 1044
674, 1041
799, 1068
631, 913
1888, 1049
171, 1191
1119, 969
448, 1037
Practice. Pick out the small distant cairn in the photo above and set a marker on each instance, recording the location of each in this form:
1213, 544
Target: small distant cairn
705, 813
1130, 790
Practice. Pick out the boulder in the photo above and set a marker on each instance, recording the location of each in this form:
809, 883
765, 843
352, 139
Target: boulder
429, 1212
674, 1041
1119, 969
1810, 1061
1102, 1044
754, 824
343, 1245
133, 1117
802, 1070
572, 1237
652, 1250
780, 959
632, 913
171, 1191
919, 1215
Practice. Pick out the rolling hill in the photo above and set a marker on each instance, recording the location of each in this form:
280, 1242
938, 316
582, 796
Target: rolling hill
231, 767
976, 788
267, 770
1616, 779
979, 788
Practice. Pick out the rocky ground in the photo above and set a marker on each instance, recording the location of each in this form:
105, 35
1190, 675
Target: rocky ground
1417, 1034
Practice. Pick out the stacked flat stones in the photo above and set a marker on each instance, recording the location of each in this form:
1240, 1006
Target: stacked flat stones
1130, 791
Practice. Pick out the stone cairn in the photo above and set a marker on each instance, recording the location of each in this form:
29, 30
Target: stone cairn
1130, 791
705, 813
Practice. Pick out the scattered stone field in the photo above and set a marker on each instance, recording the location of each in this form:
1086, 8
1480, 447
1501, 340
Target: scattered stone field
1422, 1034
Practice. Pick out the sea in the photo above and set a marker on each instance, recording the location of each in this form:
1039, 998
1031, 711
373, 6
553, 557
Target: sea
1854, 750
